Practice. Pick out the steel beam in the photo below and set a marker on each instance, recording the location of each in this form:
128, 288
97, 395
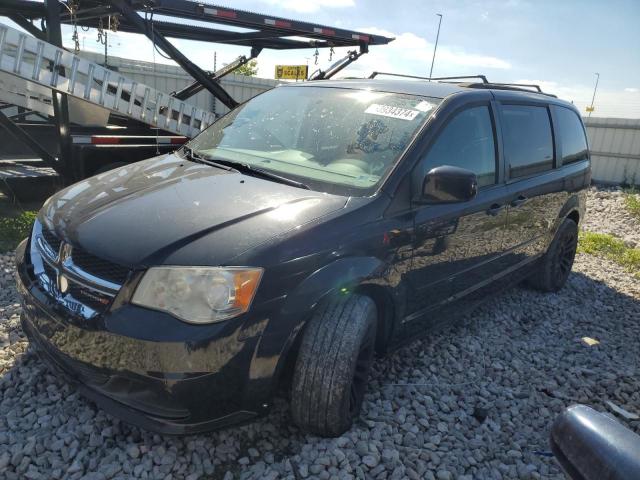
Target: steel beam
241, 18
22, 115
28, 26
28, 8
212, 35
195, 87
28, 140
191, 68
59, 100
344, 62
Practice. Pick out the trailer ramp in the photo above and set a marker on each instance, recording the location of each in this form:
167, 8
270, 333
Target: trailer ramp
45, 65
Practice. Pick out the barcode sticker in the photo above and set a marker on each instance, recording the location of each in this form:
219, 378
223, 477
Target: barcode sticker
391, 111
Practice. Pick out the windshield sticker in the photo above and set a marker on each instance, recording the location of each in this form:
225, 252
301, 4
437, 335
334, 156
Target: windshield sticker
424, 106
391, 111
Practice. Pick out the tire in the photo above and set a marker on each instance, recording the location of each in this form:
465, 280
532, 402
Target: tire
556, 264
332, 368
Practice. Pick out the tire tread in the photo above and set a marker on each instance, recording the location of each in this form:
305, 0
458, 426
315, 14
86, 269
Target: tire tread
325, 363
542, 278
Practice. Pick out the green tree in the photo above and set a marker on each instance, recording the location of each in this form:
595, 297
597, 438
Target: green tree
250, 69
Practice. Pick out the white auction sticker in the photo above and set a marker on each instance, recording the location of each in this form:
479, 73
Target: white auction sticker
424, 106
391, 111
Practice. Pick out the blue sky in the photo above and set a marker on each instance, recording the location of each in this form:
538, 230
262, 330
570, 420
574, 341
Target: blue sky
558, 44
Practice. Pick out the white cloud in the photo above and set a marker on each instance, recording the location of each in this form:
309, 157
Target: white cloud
412, 54
309, 6
608, 103
461, 58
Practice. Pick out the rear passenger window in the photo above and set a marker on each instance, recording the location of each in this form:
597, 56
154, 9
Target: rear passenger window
573, 142
528, 142
467, 142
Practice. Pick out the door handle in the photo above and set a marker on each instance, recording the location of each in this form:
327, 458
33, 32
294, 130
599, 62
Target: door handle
516, 202
495, 209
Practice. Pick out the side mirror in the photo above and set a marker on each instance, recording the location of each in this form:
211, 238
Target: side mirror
591, 446
447, 184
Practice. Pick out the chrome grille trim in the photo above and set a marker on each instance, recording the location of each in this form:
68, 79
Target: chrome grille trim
87, 295
79, 276
46, 249
74, 272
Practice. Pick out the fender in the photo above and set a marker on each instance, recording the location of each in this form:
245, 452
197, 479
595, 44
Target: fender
338, 277
573, 203
576, 202
344, 273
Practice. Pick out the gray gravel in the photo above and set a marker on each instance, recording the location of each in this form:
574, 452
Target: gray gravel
472, 401
607, 214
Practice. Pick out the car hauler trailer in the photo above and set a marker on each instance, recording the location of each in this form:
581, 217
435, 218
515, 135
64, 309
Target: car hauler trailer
38, 77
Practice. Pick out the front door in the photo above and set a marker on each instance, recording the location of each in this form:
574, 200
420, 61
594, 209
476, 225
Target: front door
457, 245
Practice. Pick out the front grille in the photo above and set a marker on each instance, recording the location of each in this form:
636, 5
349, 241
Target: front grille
91, 264
92, 281
100, 268
51, 239
51, 273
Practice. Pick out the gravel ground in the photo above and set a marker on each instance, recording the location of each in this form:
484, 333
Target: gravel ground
607, 214
472, 401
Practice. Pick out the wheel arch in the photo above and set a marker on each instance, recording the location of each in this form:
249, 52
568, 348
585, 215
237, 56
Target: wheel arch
575, 216
343, 276
573, 208
385, 306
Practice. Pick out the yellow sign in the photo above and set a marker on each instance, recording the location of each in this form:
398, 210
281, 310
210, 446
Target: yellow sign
291, 72
590, 109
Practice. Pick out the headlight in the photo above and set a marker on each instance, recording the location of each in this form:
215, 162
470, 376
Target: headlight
199, 294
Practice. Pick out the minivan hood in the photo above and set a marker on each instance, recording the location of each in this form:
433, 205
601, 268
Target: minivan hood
152, 212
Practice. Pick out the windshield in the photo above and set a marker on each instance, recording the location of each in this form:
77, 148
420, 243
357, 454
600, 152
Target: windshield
334, 140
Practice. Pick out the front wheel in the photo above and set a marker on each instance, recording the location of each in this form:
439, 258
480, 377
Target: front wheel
552, 273
332, 368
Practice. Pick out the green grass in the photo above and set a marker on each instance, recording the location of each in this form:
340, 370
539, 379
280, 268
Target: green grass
14, 229
632, 202
608, 246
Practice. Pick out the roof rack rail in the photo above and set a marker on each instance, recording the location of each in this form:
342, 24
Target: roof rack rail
516, 87
374, 74
468, 77
520, 87
524, 85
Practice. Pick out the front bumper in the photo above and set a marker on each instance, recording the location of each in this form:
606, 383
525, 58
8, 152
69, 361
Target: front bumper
129, 363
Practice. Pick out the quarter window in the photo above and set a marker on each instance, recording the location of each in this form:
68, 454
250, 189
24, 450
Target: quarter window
573, 141
528, 142
467, 142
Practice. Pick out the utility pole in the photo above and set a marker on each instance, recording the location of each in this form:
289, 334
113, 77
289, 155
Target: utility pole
594, 94
435, 47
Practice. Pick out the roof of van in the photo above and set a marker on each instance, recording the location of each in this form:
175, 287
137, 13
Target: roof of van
416, 87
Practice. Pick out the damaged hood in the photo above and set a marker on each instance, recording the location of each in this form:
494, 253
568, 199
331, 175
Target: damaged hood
168, 210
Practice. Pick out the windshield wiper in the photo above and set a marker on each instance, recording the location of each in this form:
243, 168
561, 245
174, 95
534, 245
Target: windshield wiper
241, 167
258, 172
195, 157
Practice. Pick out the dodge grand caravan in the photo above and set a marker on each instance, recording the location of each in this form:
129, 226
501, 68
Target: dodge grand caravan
307, 230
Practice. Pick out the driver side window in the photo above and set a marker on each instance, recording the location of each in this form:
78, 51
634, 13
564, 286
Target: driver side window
467, 141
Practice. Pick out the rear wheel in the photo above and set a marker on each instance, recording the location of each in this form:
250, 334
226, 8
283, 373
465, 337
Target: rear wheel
332, 368
556, 265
